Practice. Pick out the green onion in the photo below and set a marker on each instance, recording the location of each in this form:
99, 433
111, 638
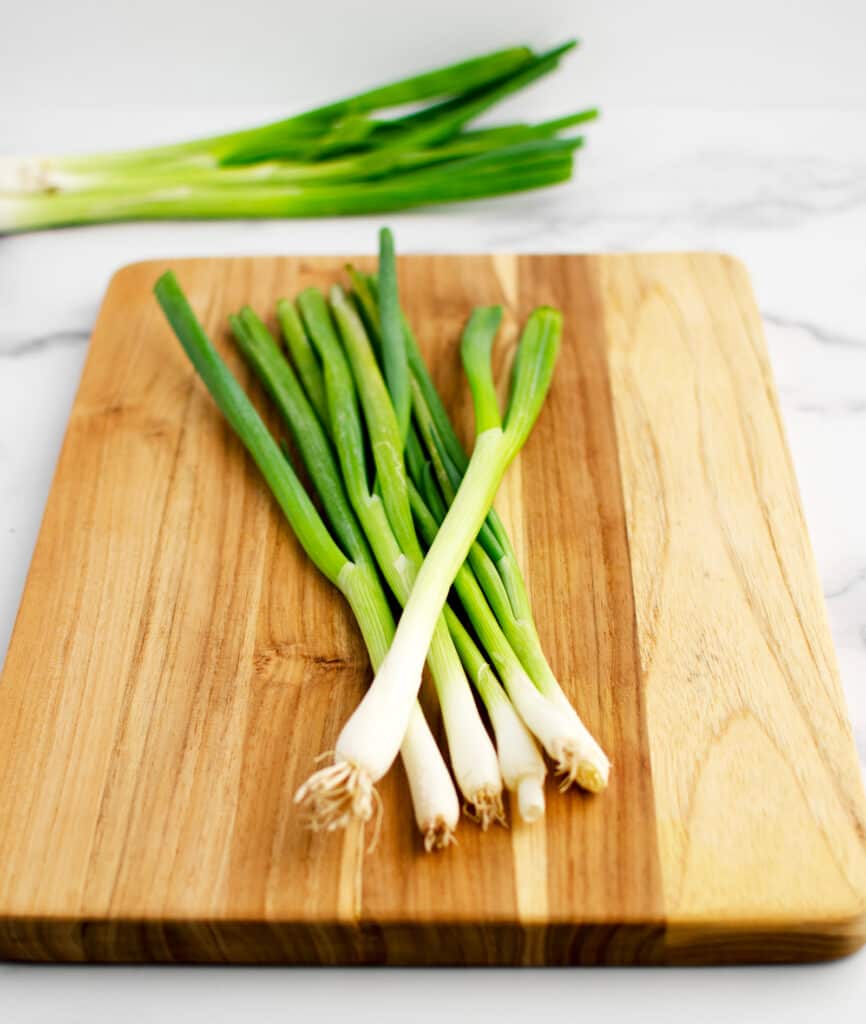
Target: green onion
394, 482
386, 517
512, 169
496, 567
385, 438
304, 357
371, 165
369, 741
342, 158
521, 765
577, 756
434, 799
512, 630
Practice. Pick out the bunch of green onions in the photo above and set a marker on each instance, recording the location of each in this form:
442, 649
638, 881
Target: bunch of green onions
409, 513
343, 158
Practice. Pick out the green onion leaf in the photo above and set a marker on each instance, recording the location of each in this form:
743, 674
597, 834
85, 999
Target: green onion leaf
475, 349
247, 424
394, 359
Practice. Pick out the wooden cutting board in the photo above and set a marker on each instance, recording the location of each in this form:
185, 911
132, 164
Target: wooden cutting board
177, 663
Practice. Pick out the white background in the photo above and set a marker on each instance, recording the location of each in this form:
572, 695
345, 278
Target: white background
733, 54
734, 125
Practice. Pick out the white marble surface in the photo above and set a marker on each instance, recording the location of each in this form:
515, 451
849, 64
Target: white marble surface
783, 191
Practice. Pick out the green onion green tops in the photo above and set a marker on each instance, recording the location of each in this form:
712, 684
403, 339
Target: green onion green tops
356, 155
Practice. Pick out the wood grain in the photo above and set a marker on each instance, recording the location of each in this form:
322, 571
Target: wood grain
177, 663
759, 804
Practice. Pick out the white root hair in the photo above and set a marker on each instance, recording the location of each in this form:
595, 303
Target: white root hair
338, 795
438, 835
485, 807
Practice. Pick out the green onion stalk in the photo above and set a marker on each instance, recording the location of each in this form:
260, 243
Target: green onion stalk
354, 575
521, 765
370, 740
513, 169
520, 761
342, 158
482, 789
509, 634
350, 371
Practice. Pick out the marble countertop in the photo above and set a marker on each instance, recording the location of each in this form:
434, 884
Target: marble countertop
783, 191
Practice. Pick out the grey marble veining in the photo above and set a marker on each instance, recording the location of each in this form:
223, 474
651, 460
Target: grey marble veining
40, 342
785, 192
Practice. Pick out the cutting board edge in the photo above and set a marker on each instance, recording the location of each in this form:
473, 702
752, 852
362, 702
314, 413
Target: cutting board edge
163, 262
503, 944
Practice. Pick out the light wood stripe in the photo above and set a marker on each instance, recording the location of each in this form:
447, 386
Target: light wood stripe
528, 842
759, 805
349, 895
